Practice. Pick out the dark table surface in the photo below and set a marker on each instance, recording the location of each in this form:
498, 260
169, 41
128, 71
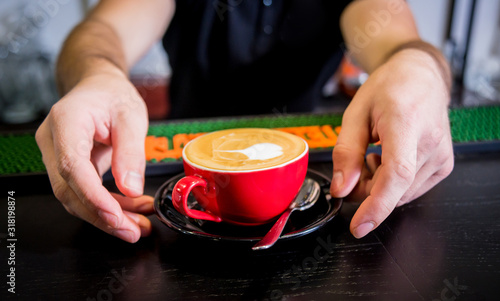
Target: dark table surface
443, 246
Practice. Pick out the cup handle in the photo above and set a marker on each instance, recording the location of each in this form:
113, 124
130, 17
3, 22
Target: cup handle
180, 194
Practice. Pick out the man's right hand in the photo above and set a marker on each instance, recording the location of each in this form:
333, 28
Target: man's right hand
102, 121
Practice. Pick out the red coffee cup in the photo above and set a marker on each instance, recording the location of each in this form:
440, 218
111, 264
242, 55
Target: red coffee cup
243, 196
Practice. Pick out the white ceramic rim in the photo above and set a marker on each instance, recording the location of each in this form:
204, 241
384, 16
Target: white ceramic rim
306, 150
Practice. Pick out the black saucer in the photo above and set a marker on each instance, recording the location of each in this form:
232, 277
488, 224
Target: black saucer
300, 222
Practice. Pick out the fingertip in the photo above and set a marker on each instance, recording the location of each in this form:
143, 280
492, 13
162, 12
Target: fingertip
145, 226
130, 182
143, 204
370, 214
363, 229
345, 176
337, 184
126, 235
348, 163
147, 207
133, 182
141, 221
128, 230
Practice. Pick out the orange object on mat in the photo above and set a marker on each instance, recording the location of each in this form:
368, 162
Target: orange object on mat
316, 136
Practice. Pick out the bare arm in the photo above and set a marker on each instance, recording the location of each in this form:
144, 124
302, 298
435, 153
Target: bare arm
112, 38
375, 30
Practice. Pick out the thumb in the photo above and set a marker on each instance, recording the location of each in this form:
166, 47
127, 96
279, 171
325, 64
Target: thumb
128, 160
349, 153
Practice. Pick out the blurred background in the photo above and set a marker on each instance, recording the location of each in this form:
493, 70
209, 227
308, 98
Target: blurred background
32, 32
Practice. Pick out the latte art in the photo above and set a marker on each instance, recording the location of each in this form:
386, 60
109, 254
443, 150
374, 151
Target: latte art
259, 151
244, 149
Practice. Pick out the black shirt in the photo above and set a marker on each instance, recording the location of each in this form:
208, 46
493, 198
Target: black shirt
247, 57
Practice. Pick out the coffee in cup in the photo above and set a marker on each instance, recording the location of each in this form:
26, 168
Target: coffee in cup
241, 176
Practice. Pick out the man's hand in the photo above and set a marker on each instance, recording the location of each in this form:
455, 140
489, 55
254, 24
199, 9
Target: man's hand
403, 104
102, 121
92, 127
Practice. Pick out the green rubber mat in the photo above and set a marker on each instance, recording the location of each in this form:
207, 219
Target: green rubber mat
475, 124
19, 154
478, 127
169, 130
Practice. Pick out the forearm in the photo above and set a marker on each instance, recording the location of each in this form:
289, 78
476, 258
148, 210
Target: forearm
115, 35
372, 29
92, 47
375, 30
